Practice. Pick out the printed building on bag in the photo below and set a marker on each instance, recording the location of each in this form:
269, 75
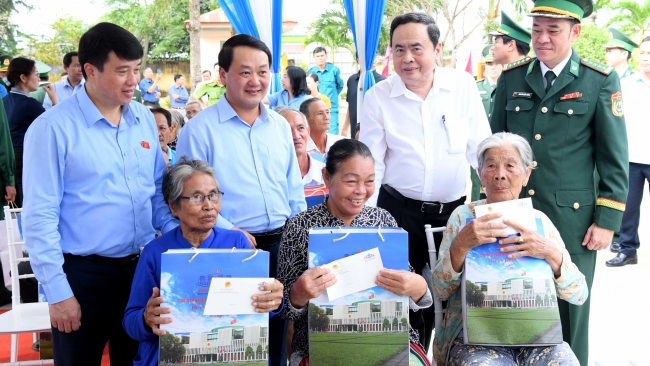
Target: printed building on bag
519, 293
227, 344
368, 316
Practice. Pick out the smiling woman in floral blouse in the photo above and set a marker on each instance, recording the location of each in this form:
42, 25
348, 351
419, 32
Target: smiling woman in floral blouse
350, 176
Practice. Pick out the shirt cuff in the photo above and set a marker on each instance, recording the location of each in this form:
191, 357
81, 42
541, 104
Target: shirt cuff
425, 302
58, 291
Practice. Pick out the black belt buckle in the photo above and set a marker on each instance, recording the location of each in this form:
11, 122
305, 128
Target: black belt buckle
442, 205
129, 259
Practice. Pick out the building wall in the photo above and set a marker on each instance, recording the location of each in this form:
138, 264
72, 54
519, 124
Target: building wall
198, 340
252, 334
224, 337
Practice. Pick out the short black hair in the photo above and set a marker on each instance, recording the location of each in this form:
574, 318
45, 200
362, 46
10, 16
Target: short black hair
298, 80
67, 59
241, 40
522, 48
64, 74
313, 76
177, 76
422, 18
304, 106
104, 38
343, 150
165, 113
319, 49
208, 71
17, 67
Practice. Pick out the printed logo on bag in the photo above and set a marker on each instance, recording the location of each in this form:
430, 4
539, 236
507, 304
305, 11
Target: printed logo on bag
490, 209
227, 284
216, 271
204, 281
335, 267
369, 257
261, 283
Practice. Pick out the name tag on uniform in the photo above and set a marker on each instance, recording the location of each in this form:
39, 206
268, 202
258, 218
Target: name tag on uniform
522, 95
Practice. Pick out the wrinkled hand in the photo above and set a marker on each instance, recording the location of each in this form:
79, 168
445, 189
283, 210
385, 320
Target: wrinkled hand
66, 315
597, 238
271, 301
11, 193
152, 313
480, 231
402, 283
310, 285
534, 245
251, 238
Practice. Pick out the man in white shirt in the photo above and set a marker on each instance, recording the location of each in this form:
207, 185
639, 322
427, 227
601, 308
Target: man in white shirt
318, 118
422, 125
70, 85
636, 94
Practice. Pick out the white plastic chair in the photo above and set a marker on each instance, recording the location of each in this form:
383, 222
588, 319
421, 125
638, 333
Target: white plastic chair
22, 318
433, 259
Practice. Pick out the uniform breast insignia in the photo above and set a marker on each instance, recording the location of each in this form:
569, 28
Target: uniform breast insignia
617, 104
516, 64
571, 96
522, 95
594, 65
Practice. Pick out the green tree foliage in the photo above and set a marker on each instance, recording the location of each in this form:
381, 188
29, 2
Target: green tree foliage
171, 349
258, 351
473, 295
249, 353
386, 324
332, 30
546, 300
405, 323
632, 17
538, 300
9, 31
590, 43
67, 32
317, 319
395, 323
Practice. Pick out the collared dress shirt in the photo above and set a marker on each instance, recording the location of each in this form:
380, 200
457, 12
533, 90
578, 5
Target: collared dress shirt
281, 98
636, 96
256, 165
145, 84
314, 176
90, 187
183, 96
63, 91
329, 83
421, 146
315, 153
556, 70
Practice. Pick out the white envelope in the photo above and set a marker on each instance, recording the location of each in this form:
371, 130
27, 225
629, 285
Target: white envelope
520, 211
354, 273
228, 296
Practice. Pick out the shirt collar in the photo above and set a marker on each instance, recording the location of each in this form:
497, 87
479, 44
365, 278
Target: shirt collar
66, 82
93, 115
557, 69
226, 111
441, 80
19, 91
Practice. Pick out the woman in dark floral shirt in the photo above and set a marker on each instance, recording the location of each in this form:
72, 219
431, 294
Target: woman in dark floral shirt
349, 174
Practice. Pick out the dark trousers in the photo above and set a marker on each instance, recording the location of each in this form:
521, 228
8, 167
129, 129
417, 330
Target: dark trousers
277, 326
413, 222
102, 289
639, 174
18, 176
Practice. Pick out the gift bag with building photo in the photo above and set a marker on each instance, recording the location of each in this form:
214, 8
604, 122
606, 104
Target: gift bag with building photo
509, 301
203, 330
356, 322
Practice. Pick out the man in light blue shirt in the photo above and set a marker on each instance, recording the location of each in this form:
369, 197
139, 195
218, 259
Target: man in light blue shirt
251, 148
178, 95
72, 84
93, 174
149, 88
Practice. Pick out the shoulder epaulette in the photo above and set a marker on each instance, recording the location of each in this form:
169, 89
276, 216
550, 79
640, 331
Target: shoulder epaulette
595, 65
516, 64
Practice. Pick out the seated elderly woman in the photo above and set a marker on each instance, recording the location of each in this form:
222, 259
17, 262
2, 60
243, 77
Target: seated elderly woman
350, 176
505, 164
311, 170
192, 192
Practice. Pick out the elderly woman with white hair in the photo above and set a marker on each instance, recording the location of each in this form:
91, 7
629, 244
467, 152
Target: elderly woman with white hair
505, 164
192, 193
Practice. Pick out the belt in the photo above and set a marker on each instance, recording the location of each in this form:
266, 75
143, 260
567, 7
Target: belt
423, 206
268, 238
99, 258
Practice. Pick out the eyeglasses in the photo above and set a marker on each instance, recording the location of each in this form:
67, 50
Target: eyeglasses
198, 199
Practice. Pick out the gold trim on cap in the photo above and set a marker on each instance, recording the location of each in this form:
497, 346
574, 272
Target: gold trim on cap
555, 11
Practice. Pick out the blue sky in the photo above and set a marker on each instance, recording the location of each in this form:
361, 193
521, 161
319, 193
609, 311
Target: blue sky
482, 267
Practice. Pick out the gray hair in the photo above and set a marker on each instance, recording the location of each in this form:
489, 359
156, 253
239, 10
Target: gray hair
177, 118
506, 138
175, 178
195, 102
284, 110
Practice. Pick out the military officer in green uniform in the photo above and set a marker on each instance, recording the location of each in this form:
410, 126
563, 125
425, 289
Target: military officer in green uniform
486, 87
619, 51
4, 66
571, 111
511, 41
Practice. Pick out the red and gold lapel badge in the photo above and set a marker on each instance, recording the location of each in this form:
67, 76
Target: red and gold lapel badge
571, 96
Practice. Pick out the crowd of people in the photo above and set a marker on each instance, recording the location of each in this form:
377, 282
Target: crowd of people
99, 175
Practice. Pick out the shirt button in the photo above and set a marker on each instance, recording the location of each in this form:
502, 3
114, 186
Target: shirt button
531, 192
517, 109
544, 109
576, 205
570, 111
538, 137
534, 164
489, 115
491, 100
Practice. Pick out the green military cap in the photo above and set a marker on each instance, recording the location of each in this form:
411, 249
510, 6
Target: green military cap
487, 55
4, 62
567, 9
620, 40
42, 68
510, 28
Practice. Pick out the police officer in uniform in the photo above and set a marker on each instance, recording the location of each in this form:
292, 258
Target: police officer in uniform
619, 51
571, 111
